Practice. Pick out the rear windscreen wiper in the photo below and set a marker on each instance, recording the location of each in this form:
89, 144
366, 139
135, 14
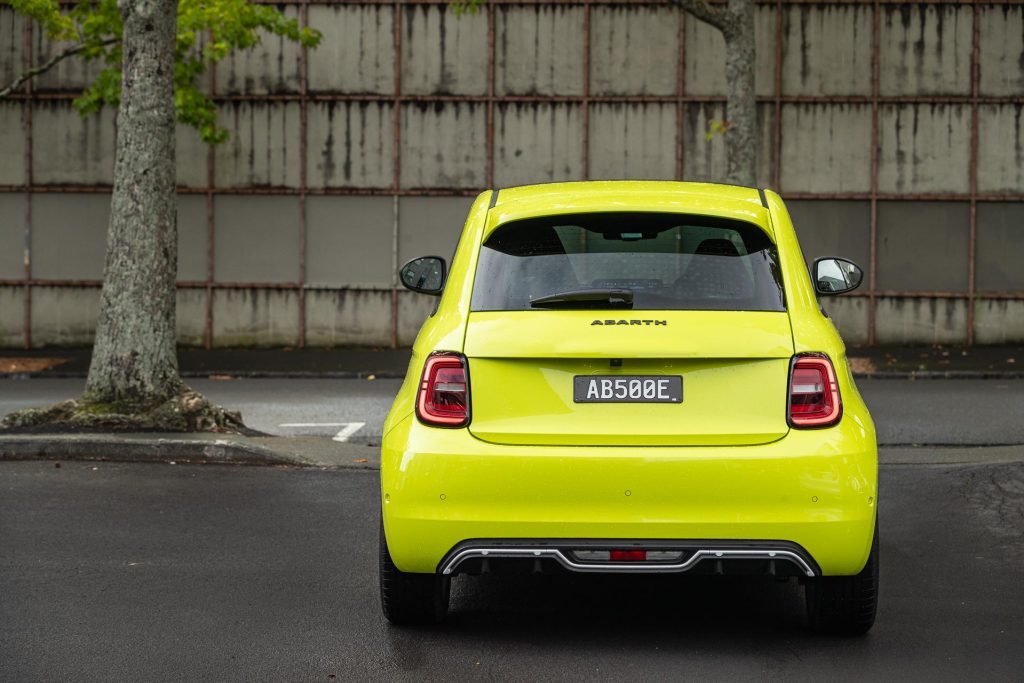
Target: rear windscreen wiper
587, 298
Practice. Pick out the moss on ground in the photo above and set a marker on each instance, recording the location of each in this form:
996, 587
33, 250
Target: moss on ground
188, 411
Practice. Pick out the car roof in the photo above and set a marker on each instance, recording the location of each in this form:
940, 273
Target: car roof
713, 199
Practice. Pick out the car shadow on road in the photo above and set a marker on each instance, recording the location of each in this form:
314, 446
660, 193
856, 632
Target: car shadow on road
626, 607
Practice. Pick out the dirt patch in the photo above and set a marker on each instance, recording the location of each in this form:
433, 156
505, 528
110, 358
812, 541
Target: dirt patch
15, 365
862, 366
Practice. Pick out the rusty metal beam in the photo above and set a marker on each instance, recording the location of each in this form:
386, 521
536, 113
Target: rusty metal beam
26, 122
776, 149
972, 239
210, 191
576, 99
491, 59
296, 286
585, 99
473, 191
680, 94
396, 171
876, 18
303, 159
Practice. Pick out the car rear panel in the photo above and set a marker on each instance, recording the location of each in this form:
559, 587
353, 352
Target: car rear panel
734, 368
441, 487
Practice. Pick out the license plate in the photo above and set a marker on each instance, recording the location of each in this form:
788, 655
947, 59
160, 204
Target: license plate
627, 389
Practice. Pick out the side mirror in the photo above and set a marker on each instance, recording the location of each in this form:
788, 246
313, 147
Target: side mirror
834, 275
424, 275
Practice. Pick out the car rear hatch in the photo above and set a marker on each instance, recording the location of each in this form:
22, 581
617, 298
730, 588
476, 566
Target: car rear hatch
733, 367
628, 329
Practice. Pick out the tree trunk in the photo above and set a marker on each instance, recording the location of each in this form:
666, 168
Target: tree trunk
134, 360
741, 138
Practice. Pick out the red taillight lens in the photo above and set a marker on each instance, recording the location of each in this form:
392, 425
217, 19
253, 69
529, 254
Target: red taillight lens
813, 392
443, 399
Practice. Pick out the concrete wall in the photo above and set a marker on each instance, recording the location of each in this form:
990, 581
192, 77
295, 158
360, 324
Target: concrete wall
330, 158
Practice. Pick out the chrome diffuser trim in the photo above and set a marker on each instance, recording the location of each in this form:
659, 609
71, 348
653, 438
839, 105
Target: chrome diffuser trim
629, 567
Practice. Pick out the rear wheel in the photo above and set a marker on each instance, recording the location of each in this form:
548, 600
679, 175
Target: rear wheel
409, 599
845, 605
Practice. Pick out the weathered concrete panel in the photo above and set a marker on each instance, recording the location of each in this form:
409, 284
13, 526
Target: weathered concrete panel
68, 149
357, 53
12, 317
12, 144
1000, 148
632, 141
826, 148
538, 50
444, 145
430, 226
350, 144
191, 237
920, 321
348, 241
73, 73
705, 55
1001, 50
272, 66
826, 50
12, 40
255, 317
69, 235
413, 310
925, 50
348, 318
704, 159
190, 156
833, 228
12, 235
923, 148
1000, 248
922, 246
535, 143
263, 149
998, 321
256, 239
191, 318
443, 53
633, 50
64, 316
850, 316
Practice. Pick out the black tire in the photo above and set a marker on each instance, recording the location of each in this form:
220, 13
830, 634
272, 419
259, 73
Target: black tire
845, 605
411, 599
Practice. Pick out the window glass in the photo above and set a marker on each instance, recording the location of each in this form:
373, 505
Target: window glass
667, 262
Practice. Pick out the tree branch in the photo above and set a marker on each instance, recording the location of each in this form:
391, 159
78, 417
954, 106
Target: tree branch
718, 17
52, 62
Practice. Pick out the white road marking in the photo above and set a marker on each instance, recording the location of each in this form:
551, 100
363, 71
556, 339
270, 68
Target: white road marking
347, 431
347, 428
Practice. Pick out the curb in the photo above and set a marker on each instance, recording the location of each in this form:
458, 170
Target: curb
246, 374
128, 449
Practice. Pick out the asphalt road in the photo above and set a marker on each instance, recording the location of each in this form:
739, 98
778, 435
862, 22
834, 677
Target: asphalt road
962, 412
155, 572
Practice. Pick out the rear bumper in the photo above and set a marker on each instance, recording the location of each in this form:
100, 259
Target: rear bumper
814, 489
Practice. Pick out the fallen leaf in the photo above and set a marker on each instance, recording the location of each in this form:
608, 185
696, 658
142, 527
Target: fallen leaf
220, 378
29, 364
370, 378
360, 460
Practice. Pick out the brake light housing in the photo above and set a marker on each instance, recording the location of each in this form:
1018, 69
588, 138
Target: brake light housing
443, 398
814, 401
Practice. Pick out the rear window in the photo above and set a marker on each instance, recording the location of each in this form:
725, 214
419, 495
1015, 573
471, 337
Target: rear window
666, 262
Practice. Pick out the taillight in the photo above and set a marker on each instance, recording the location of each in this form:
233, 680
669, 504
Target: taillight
443, 399
813, 392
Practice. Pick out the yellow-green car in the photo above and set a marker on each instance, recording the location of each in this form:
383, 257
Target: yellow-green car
630, 377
